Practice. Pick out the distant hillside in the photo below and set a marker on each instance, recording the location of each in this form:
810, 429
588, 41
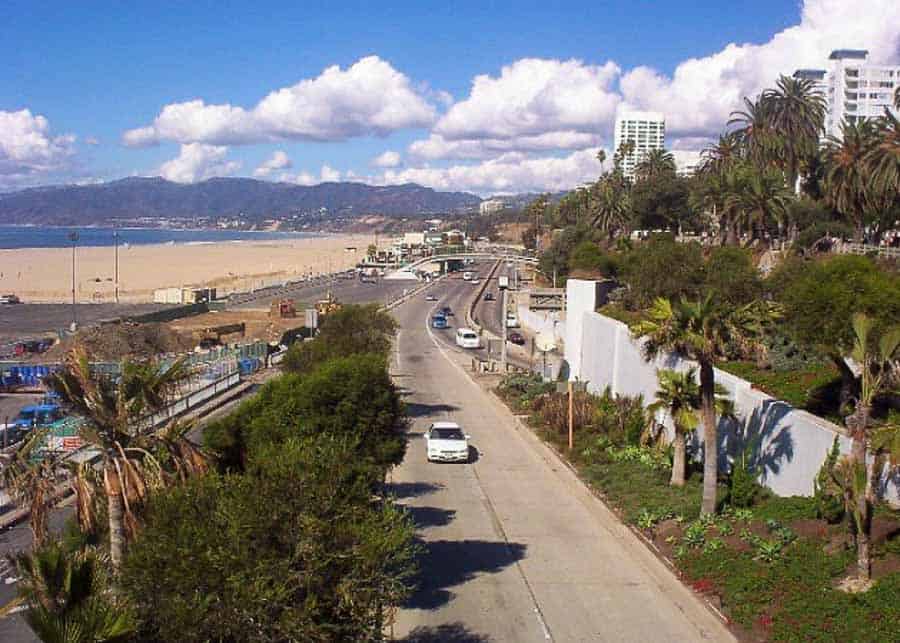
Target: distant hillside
135, 198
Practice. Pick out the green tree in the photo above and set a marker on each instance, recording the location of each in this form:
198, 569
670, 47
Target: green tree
819, 299
848, 182
731, 276
588, 256
663, 203
662, 267
654, 165
30, 481
759, 197
114, 411
610, 206
702, 331
350, 330
296, 549
68, 599
884, 157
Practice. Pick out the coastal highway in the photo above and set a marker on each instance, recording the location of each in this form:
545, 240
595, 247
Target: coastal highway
348, 291
514, 547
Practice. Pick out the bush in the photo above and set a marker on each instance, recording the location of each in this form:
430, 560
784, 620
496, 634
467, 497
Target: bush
829, 503
588, 256
742, 485
732, 276
661, 267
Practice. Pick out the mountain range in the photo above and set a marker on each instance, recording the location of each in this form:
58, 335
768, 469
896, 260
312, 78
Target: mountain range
137, 198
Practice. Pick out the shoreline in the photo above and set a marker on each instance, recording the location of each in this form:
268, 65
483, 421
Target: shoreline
44, 275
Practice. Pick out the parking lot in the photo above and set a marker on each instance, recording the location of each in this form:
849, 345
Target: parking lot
19, 321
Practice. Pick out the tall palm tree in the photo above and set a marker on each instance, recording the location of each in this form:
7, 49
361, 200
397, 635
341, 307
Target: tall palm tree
68, 599
114, 410
759, 197
878, 369
610, 205
847, 178
722, 155
755, 133
703, 331
30, 478
679, 397
883, 158
796, 113
654, 164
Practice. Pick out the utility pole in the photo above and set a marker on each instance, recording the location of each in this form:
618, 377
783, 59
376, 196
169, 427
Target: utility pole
571, 415
505, 329
116, 275
73, 237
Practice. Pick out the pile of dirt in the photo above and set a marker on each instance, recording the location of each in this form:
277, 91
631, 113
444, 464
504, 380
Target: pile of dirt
112, 342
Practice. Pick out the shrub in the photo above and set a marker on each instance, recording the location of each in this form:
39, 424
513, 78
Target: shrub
829, 502
661, 267
743, 487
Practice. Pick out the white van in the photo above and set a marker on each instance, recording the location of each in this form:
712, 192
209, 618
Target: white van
467, 276
467, 338
512, 320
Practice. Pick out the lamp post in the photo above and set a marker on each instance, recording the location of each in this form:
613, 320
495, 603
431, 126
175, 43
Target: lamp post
73, 237
116, 272
503, 289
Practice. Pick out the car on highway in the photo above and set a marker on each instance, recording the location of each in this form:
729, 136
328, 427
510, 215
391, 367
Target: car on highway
489, 296
467, 338
9, 300
512, 320
445, 442
446, 311
439, 322
430, 298
516, 338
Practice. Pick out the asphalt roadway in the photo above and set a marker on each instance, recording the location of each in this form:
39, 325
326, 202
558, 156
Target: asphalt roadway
515, 547
347, 291
37, 320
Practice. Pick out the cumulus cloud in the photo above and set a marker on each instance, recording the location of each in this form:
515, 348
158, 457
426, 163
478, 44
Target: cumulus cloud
327, 174
389, 158
510, 173
278, 161
198, 162
28, 149
702, 92
437, 147
369, 98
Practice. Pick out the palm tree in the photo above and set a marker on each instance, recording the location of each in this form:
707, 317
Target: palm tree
878, 369
755, 133
68, 597
654, 164
884, 157
679, 396
113, 410
30, 479
704, 332
611, 205
601, 156
796, 113
759, 196
727, 151
847, 176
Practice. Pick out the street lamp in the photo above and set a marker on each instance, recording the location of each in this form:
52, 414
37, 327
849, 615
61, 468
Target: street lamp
73, 237
116, 276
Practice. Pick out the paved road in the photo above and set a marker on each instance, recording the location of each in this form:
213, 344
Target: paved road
515, 548
43, 319
348, 291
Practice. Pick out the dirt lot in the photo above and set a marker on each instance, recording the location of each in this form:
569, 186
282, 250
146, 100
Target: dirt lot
258, 325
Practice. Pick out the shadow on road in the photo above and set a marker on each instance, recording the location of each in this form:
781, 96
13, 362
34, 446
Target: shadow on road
474, 454
402, 490
447, 633
430, 516
447, 563
416, 410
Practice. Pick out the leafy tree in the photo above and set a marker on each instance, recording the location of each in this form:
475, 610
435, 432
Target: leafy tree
610, 205
588, 256
113, 411
663, 203
819, 299
295, 549
662, 267
702, 330
654, 165
848, 184
731, 276
759, 197
68, 599
555, 259
884, 158
350, 330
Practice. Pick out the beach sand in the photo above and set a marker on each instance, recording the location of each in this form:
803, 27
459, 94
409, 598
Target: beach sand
45, 274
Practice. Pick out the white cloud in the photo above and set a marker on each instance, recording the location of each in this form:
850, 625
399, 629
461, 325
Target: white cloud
198, 162
327, 174
389, 158
532, 97
278, 161
437, 147
28, 149
369, 98
702, 92
509, 173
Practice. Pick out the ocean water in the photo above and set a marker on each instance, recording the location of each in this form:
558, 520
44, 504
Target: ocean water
39, 237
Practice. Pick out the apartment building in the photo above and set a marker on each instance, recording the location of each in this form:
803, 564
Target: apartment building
854, 88
646, 129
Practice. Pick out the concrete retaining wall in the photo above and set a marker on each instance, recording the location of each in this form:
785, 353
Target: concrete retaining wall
789, 444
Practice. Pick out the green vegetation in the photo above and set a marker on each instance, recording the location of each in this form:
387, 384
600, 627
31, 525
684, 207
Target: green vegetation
773, 566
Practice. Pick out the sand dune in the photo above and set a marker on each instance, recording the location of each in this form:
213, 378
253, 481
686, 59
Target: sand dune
45, 274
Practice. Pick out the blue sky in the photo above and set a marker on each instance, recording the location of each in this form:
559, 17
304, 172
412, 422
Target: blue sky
91, 70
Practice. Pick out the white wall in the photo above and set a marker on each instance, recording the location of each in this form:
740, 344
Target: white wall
791, 444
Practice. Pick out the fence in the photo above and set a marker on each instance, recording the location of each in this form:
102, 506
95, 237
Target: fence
865, 249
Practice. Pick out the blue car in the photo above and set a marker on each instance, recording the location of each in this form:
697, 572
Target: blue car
37, 415
439, 322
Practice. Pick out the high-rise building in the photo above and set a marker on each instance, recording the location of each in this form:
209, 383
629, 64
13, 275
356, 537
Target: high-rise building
854, 88
646, 129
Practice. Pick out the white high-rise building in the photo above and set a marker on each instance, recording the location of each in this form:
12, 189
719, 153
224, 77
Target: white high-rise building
854, 88
646, 129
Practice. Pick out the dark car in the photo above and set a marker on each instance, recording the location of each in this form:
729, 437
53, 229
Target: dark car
516, 338
447, 312
489, 296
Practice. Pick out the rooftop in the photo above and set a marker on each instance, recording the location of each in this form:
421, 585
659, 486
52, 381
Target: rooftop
859, 54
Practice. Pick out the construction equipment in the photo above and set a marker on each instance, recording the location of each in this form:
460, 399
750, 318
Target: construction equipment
328, 305
283, 309
212, 336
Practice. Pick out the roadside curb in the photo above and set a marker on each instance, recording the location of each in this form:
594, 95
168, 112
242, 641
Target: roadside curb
470, 309
598, 495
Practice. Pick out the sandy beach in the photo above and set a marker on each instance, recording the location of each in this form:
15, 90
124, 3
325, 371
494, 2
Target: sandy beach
45, 274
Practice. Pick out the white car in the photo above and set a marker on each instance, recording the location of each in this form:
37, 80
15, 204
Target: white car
430, 298
467, 338
445, 442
